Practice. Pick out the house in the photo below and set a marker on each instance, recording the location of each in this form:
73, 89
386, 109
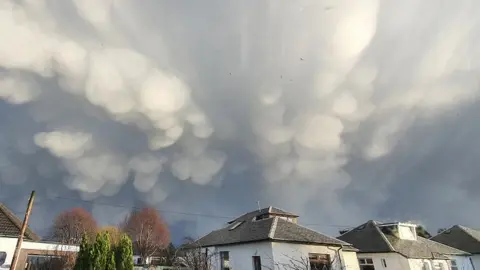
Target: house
397, 246
33, 251
271, 238
462, 238
161, 257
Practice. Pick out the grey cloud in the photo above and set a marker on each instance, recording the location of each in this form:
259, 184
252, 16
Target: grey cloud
336, 113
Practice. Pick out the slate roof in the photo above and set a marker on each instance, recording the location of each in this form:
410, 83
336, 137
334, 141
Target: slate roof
369, 238
268, 229
10, 225
460, 237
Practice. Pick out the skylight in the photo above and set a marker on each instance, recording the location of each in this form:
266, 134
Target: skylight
235, 225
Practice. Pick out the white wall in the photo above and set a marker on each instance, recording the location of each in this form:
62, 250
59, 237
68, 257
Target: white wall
350, 260
463, 262
284, 252
417, 264
476, 261
241, 255
407, 232
394, 261
272, 254
7, 244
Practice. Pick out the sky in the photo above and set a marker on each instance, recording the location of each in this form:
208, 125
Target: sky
340, 111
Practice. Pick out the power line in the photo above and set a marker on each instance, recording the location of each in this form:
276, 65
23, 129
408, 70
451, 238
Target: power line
224, 217
139, 208
183, 213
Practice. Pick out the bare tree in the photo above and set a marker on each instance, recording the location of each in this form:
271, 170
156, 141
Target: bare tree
69, 226
148, 231
191, 255
169, 255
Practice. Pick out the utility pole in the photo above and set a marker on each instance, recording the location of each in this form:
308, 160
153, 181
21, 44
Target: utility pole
22, 231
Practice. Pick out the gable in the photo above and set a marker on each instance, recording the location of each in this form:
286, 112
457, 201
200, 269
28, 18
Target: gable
10, 225
367, 238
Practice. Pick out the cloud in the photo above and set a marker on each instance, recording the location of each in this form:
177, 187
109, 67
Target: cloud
310, 105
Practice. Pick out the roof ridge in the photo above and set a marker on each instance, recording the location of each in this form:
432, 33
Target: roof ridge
273, 228
384, 237
465, 229
443, 231
363, 224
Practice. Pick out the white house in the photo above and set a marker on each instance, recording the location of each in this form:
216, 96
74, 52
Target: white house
397, 246
32, 250
463, 238
270, 238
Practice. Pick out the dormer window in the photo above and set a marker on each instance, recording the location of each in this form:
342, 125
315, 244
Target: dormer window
404, 231
260, 217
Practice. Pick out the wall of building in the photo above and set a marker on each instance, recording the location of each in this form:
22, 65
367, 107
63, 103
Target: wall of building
398, 262
394, 261
418, 264
7, 244
407, 232
350, 260
476, 261
415, 264
463, 262
241, 255
273, 254
285, 253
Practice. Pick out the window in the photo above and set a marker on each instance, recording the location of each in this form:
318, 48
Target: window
319, 261
366, 264
224, 260
453, 264
384, 263
43, 262
438, 266
427, 266
3, 257
234, 226
257, 263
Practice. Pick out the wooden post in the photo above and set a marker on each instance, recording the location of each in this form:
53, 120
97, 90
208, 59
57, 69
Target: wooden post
22, 232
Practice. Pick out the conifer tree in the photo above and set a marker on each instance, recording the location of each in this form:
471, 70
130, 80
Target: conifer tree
124, 254
101, 251
83, 261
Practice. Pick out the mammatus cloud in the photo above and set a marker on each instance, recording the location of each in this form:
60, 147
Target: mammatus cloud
303, 104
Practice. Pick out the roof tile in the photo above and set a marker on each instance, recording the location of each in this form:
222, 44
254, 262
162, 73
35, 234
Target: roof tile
460, 237
368, 238
274, 228
10, 225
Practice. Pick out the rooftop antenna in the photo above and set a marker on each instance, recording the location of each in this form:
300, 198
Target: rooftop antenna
258, 203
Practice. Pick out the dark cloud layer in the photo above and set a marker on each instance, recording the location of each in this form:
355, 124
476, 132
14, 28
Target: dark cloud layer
339, 110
